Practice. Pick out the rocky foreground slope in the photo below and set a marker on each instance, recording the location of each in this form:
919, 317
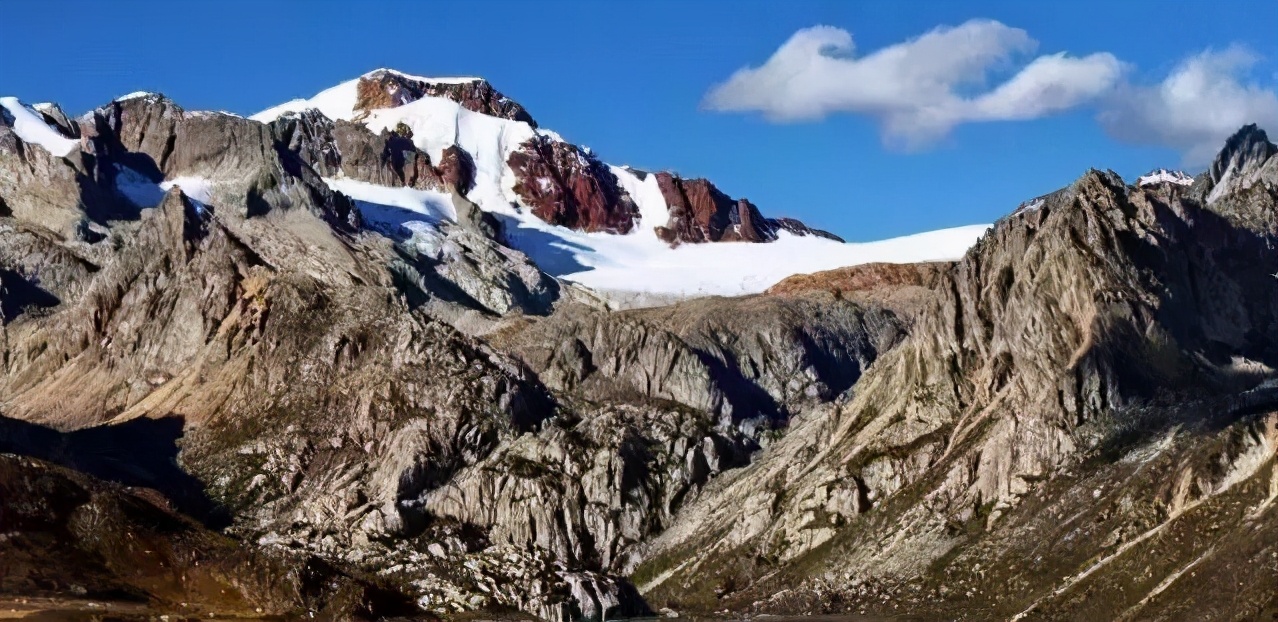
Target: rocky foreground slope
299, 404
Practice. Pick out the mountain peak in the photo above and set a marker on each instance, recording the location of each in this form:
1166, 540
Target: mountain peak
1239, 162
387, 71
1243, 152
389, 88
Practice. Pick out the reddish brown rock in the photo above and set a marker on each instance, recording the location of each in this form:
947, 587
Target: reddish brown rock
864, 277
699, 212
456, 169
389, 89
904, 288
565, 185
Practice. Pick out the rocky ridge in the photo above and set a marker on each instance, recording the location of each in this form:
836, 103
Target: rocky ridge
1112, 326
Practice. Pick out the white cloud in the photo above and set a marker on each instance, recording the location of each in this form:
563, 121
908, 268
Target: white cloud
919, 89
1200, 104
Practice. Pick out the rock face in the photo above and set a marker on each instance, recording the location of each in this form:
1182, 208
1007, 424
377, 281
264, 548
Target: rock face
699, 212
566, 185
388, 89
798, 228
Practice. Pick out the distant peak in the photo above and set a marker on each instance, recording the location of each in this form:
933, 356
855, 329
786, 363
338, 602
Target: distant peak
386, 71
1165, 176
138, 95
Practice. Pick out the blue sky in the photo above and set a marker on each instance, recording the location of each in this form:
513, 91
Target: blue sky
636, 81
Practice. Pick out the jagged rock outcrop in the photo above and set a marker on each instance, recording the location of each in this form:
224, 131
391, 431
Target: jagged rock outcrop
456, 170
657, 403
699, 212
387, 89
1106, 319
564, 184
1242, 183
57, 193
55, 117
798, 228
154, 138
467, 263
217, 318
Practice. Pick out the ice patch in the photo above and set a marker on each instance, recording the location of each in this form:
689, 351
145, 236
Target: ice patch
137, 188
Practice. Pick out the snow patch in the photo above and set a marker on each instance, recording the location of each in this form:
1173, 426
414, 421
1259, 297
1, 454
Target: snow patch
199, 189
212, 113
143, 192
646, 193
1163, 175
639, 262
1031, 206
404, 214
31, 128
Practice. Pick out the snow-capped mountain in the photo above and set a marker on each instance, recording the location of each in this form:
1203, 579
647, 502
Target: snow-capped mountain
1162, 175
401, 146
610, 228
